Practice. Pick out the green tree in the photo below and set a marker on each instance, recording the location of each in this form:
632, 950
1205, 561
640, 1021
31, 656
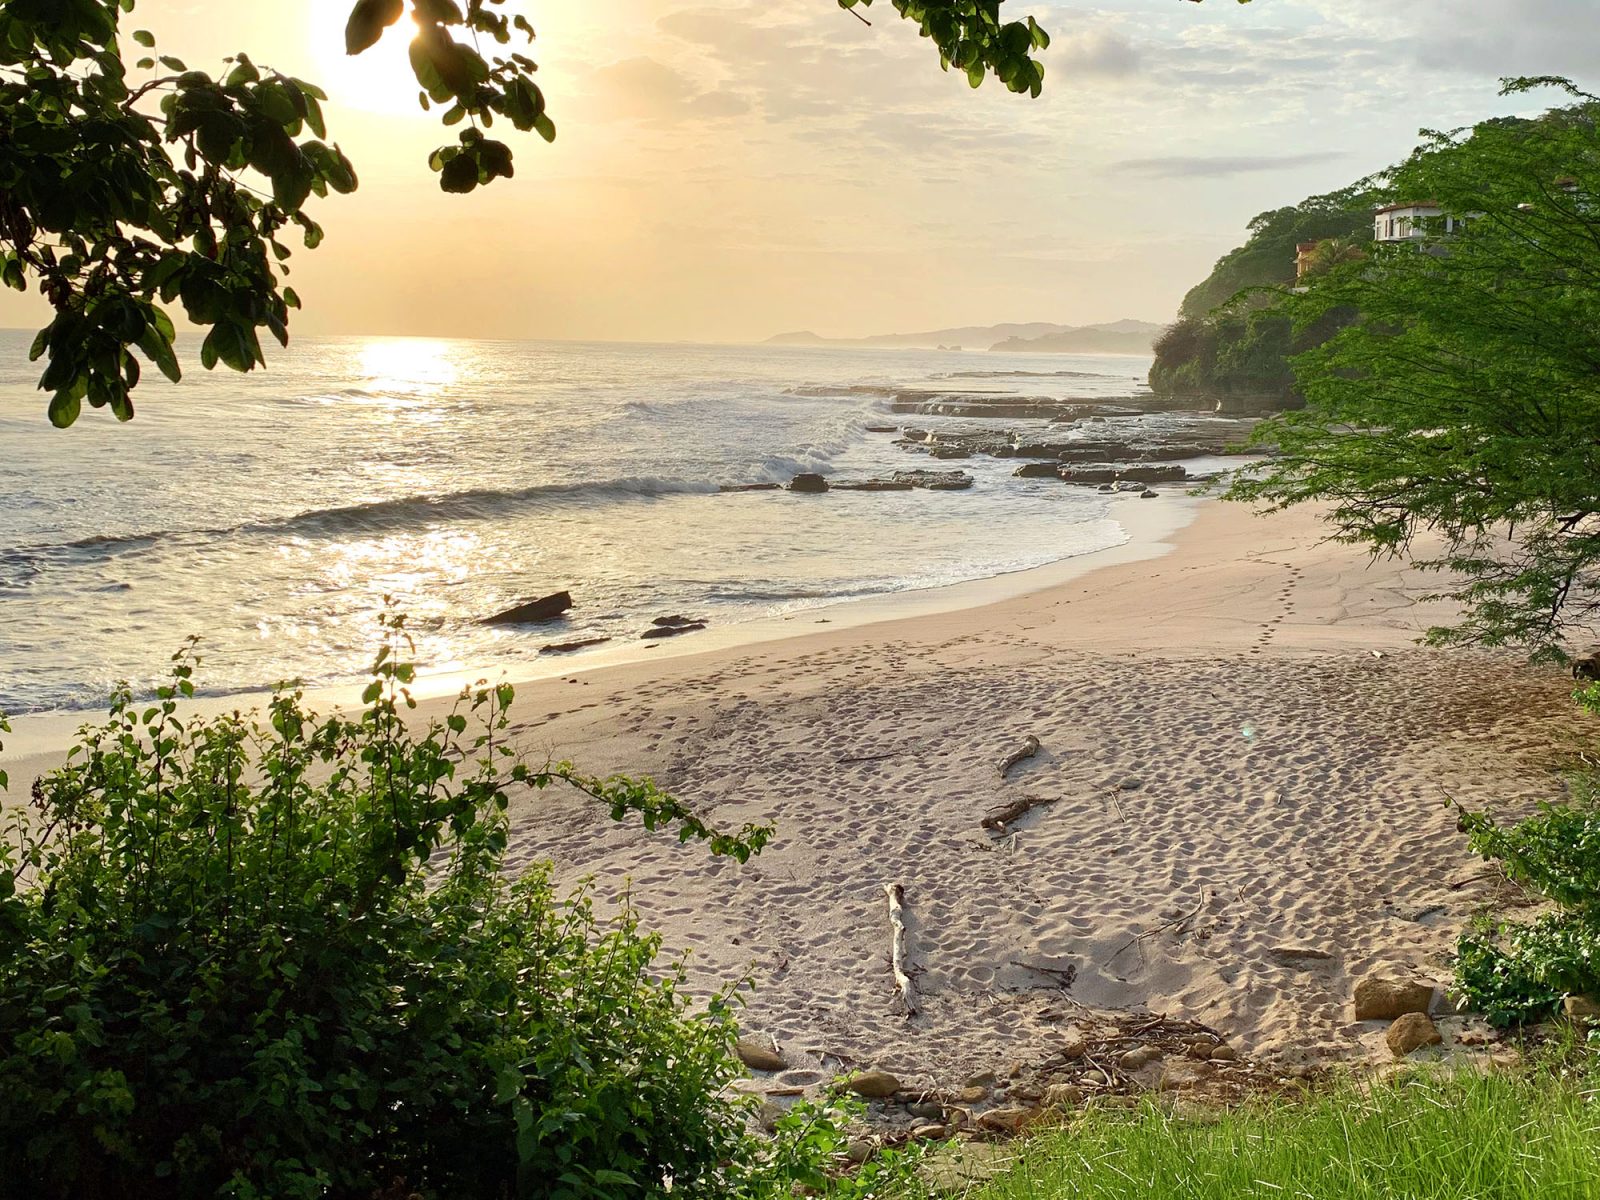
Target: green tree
1465, 401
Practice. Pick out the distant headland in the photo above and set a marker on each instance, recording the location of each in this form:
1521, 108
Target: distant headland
1032, 337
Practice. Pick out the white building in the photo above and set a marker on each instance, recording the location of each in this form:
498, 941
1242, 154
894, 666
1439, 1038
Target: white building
1411, 222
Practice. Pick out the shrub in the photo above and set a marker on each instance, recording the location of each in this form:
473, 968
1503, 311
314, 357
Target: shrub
278, 958
1520, 971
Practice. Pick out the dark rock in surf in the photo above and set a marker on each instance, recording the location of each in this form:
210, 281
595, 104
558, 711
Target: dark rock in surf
546, 608
665, 627
750, 487
808, 484
569, 647
1039, 470
935, 481
874, 485
1114, 473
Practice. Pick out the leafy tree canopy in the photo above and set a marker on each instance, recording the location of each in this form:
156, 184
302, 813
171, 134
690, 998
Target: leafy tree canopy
120, 198
1465, 402
1267, 258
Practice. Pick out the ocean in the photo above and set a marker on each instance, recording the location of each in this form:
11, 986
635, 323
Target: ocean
274, 515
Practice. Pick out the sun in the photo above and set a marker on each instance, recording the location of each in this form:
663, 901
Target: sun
378, 80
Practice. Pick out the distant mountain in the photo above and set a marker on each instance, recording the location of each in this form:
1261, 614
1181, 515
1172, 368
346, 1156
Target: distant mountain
1116, 337
971, 336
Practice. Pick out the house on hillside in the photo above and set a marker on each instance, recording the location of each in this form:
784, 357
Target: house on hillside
1410, 222
1304, 259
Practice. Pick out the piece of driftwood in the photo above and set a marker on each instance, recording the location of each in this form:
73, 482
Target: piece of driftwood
897, 948
1030, 747
1014, 810
1176, 923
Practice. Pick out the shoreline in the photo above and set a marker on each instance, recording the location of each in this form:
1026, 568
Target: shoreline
1148, 531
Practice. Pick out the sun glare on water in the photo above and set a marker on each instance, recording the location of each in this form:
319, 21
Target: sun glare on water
413, 368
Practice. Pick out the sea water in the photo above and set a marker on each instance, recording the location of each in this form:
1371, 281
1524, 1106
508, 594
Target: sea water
274, 515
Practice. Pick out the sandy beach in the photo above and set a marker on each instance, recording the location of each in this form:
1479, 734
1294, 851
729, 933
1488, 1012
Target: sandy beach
1247, 762
1240, 728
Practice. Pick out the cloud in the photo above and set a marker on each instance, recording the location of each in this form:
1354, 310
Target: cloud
1099, 53
1222, 166
644, 89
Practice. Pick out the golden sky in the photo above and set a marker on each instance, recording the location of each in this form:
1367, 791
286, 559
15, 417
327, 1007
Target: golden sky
729, 169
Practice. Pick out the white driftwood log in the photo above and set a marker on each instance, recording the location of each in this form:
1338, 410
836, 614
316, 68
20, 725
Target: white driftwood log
897, 951
1030, 747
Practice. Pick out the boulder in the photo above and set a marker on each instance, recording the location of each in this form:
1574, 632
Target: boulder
569, 647
546, 608
808, 483
874, 1085
949, 452
1385, 999
1412, 1032
1008, 1120
1063, 1095
928, 1110
758, 1056
1581, 1009
973, 1094
883, 429
1184, 1074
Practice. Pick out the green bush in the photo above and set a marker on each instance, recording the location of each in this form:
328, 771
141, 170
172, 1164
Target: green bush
1517, 971
278, 958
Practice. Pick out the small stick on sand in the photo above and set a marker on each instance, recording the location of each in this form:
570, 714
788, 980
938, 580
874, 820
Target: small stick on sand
897, 952
1014, 810
1030, 747
1176, 923
863, 758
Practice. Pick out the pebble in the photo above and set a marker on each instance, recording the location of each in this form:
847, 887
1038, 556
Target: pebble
926, 1109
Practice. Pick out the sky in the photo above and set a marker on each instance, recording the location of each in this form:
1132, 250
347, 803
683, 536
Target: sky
730, 169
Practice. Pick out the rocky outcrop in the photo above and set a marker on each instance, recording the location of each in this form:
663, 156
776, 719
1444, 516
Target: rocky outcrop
935, 481
546, 608
874, 485
808, 483
1038, 470
1115, 473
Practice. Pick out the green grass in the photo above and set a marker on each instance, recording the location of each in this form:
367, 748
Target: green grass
1468, 1136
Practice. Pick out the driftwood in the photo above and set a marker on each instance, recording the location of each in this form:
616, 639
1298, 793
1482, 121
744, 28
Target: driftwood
897, 952
1176, 923
1030, 747
1014, 810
